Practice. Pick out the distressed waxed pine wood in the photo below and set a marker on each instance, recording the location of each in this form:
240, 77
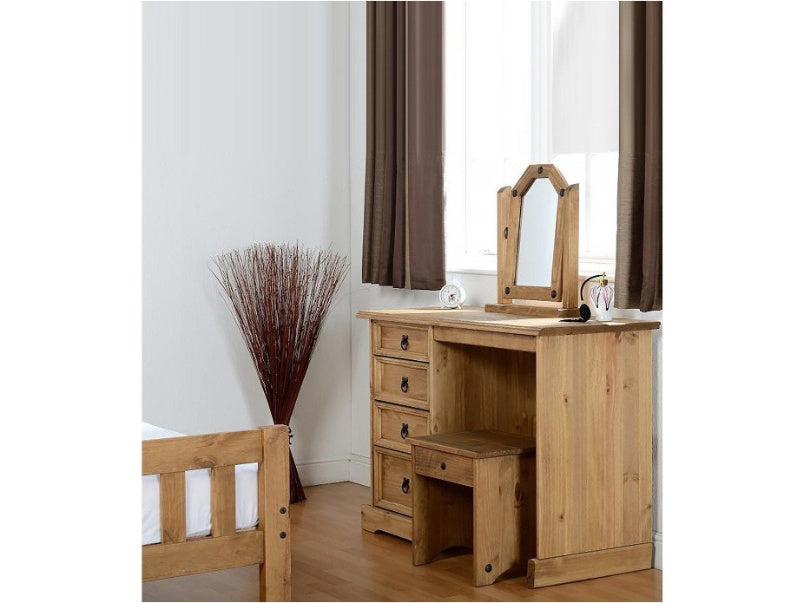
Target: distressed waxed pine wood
503, 515
564, 264
442, 518
222, 485
557, 270
583, 566
486, 339
388, 341
224, 548
507, 218
201, 555
531, 173
184, 453
544, 310
333, 560
392, 410
481, 388
390, 471
569, 255
476, 319
274, 498
483, 374
476, 444
499, 470
172, 507
380, 520
593, 442
441, 465
401, 381
394, 424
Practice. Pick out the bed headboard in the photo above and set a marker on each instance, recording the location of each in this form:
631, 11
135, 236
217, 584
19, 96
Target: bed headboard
267, 545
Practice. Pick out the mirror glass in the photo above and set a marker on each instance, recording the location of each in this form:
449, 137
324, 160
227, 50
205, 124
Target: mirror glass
537, 233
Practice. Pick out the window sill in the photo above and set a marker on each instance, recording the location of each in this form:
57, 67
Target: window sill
487, 265
473, 264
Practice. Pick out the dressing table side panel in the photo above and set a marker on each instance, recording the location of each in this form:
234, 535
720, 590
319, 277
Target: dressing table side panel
593, 442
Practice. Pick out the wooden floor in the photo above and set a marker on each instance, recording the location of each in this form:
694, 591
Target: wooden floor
334, 560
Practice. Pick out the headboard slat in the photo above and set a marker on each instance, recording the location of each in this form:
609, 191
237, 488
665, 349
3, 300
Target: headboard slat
172, 507
223, 500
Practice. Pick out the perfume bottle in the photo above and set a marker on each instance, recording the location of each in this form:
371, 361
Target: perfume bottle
602, 295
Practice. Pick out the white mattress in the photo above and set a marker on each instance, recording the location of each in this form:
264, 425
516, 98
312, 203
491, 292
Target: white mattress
199, 514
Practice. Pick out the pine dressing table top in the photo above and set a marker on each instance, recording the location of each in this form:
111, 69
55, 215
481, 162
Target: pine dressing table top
477, 319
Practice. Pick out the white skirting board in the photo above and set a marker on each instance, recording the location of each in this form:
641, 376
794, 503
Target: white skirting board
360, 470
657, 550
313, 473
355, 469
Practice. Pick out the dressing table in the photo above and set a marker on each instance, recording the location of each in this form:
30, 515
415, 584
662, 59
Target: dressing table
581, 390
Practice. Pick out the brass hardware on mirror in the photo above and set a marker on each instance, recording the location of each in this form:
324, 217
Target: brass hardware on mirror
537, 255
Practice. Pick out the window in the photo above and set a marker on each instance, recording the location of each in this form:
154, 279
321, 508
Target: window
529, 82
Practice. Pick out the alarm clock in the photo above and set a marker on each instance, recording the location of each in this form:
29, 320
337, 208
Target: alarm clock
452, 295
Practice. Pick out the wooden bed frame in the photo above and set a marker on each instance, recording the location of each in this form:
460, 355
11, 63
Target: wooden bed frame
268, 544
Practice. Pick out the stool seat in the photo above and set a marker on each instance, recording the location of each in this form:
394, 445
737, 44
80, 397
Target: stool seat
477, 489
476, 444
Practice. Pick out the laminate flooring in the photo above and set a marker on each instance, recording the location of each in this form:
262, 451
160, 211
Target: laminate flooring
333, 559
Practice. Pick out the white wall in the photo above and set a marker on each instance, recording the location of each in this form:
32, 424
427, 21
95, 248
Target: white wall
245, 139
480, 288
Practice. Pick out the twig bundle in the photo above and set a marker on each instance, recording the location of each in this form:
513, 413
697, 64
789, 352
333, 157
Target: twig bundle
280, 296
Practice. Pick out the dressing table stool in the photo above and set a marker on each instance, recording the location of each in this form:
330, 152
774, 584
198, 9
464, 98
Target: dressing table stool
474, 489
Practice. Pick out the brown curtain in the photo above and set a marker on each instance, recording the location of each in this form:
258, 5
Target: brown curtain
639, 185
403, 228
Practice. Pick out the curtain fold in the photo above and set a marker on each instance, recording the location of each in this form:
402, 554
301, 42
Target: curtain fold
639, 182
403, 228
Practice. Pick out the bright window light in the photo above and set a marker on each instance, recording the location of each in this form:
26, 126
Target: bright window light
529, 82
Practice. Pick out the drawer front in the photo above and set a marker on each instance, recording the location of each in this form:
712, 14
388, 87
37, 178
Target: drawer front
393, 425
400, 381
441, 465
401, 341
393, 483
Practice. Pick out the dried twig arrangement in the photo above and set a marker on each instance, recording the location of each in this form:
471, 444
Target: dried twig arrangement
280, 296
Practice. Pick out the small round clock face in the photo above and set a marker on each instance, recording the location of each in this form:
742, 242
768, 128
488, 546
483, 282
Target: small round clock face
451, 296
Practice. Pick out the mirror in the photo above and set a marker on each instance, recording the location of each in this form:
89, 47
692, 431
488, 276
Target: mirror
537, 245
537, 234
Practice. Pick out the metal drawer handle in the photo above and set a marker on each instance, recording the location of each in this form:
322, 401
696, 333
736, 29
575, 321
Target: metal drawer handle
404, 431
405, 485
404, 343
443, 465
404, 385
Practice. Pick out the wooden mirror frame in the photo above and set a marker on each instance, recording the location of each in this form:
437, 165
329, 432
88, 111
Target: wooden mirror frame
561, 296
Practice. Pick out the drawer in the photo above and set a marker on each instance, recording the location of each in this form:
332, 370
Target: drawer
401, 341
400, 381
393, 486
442, 465
394, 424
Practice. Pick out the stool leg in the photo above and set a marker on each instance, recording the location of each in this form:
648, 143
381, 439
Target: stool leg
442, 518
497, 518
